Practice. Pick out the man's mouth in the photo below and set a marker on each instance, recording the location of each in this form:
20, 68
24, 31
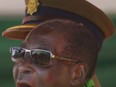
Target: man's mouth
23, 85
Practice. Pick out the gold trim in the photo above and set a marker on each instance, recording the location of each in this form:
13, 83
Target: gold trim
21, 27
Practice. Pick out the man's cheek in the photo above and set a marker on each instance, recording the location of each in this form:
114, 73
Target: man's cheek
48, 78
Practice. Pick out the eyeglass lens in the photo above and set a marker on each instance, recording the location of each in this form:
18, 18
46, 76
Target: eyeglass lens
37, 56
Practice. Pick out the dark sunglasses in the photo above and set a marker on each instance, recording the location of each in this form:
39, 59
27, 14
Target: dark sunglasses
38, 56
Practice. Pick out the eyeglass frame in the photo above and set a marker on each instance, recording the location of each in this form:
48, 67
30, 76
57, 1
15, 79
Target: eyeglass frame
52, 56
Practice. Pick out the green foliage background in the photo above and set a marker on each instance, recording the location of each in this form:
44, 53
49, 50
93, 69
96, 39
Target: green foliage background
106, 66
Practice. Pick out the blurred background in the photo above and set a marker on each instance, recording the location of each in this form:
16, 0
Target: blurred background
11, 14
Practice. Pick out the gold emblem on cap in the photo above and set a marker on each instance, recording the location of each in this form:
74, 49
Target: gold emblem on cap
32, 6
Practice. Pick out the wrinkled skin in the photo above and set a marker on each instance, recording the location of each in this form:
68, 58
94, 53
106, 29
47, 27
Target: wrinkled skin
57, 74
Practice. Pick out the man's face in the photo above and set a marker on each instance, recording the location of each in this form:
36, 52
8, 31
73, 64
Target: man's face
55, 74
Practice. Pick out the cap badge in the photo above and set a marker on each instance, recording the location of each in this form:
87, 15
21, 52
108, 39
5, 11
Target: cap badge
32, 6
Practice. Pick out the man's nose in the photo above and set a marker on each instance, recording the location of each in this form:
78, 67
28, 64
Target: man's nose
26, 66
24, 75
25, 69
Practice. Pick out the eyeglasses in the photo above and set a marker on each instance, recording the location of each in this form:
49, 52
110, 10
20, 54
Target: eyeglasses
38, 56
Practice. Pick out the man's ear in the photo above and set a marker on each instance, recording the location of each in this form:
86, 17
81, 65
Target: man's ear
79, 73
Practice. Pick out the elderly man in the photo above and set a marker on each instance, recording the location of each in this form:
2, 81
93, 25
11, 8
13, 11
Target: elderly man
80, 11
57, 53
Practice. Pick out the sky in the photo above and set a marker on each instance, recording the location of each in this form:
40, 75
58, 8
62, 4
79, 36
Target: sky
8, 7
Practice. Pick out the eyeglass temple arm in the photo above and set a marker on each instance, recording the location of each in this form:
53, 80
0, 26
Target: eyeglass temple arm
63, 58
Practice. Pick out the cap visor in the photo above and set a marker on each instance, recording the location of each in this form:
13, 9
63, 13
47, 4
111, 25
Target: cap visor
18, 32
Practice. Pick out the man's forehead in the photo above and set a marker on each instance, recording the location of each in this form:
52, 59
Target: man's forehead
55, 44
43, 42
